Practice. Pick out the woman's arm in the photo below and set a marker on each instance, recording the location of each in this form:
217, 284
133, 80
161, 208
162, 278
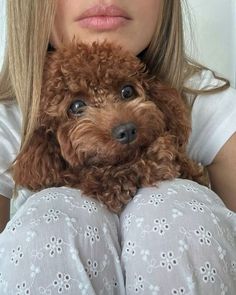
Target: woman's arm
4, 212
222, 173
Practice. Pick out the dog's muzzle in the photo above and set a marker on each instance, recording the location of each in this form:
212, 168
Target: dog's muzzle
125, 133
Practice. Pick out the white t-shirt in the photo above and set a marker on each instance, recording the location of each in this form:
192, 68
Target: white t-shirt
213, 123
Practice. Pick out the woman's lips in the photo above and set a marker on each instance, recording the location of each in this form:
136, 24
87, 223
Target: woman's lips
103, 23
102, 18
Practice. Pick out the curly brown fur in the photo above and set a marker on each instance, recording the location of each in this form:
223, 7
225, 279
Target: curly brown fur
80, 150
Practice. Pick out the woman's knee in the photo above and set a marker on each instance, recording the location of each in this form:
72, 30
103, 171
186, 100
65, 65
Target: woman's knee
179, 199
70, 233
163, 228
180, 208
60, 205
61, 215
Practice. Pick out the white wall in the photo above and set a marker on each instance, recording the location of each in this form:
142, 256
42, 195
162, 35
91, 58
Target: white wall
2, 29
214, 24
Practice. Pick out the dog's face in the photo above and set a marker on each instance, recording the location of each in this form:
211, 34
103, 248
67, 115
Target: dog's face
102, 106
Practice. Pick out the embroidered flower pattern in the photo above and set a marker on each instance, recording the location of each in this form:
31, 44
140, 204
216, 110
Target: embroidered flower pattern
160, 226
68, 199
233, 269
176, 213
156, 199
224, 289
83, 289
44, 291
37, 254
31, 210
196, 206
70, 221
153, 241
190, 188
50, 196
16, 255
130, 248
154, 289
145, 254
2, 251
203, 235
138, 283
92, 234
179, 291
208, 273
91, 268
139, 221
168, 260
13, 227
222, 252
52, 215
3, 284
22, 289
54, 246
34, 270
90, 206
127, 221
30, 236
62, 283
183, 246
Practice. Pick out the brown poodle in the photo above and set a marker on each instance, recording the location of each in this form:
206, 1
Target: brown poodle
105, 126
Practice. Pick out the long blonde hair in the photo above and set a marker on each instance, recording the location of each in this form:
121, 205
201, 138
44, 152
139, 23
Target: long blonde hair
29, 24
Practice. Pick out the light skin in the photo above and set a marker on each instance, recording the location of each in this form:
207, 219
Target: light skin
222, 173
134, 35
5, 212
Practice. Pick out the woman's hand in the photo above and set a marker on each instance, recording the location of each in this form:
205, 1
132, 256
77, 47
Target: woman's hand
4, 212
222, 173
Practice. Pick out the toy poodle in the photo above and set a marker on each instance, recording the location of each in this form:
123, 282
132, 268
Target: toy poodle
105, 126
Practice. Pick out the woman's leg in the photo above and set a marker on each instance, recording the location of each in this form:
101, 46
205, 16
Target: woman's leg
178, 239
61, 243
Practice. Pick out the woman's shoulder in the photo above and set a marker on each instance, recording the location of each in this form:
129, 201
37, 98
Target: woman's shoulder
205, 80
10, 137
10, 116
213, 117
10, 128
9, 110
221, 102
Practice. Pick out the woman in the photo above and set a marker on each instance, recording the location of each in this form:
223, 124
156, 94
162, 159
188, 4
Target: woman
177, 239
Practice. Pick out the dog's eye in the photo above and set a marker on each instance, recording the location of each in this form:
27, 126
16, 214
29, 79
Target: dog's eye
128, 92
77, 107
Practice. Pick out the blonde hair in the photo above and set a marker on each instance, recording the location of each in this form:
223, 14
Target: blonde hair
29, 24
166, 56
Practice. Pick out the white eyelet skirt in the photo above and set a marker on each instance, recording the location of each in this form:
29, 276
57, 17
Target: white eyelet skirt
175, 239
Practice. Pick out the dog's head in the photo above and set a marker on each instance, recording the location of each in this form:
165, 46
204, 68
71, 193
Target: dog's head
103, 105
100, 107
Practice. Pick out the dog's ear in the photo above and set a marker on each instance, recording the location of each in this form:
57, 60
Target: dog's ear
68, 151
177, 115
39, 164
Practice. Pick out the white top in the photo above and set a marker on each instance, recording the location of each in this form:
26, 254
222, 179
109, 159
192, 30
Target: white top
213, 123
213, 118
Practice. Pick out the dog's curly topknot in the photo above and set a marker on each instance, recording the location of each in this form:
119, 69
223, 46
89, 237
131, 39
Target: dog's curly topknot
105, 126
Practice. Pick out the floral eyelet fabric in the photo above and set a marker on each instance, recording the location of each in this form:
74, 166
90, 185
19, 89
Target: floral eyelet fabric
177, 238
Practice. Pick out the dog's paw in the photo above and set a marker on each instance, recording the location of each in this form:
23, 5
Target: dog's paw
114, 191
117, 197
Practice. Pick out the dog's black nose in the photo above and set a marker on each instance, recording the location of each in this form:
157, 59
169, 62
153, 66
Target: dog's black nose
125, 133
